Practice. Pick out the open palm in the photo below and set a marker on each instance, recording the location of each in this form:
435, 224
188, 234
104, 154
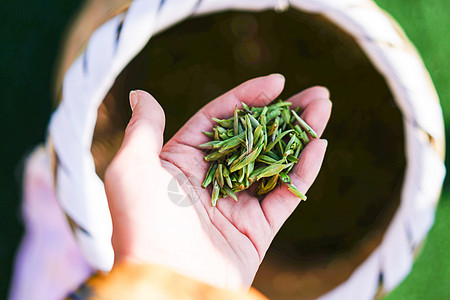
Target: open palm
222, 245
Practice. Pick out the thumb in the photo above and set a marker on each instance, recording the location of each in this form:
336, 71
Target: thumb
144, 132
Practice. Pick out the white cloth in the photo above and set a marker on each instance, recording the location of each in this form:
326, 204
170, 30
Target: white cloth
49, 263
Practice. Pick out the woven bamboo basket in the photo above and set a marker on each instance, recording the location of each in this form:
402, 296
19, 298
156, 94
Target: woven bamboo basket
374, 200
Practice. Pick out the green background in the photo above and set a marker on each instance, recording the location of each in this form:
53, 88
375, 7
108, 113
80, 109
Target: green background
30, 35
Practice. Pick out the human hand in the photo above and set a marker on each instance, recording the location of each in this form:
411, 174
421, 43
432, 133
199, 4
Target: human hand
222, 245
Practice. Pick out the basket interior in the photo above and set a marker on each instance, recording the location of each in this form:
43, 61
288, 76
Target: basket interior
359, 185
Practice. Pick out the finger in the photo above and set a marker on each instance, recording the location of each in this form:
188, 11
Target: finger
280, 203
316, 114
255, 92
316, 107
134, 173
144, 132
305, 97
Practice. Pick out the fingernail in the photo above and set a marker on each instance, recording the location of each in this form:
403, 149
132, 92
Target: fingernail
134, 99
279, 75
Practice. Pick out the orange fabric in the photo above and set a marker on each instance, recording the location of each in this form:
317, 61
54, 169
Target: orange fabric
128, 281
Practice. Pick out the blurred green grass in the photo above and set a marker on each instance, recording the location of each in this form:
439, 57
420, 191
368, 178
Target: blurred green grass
30, 35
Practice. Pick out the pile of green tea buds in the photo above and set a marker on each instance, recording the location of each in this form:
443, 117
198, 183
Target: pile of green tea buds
257, 145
